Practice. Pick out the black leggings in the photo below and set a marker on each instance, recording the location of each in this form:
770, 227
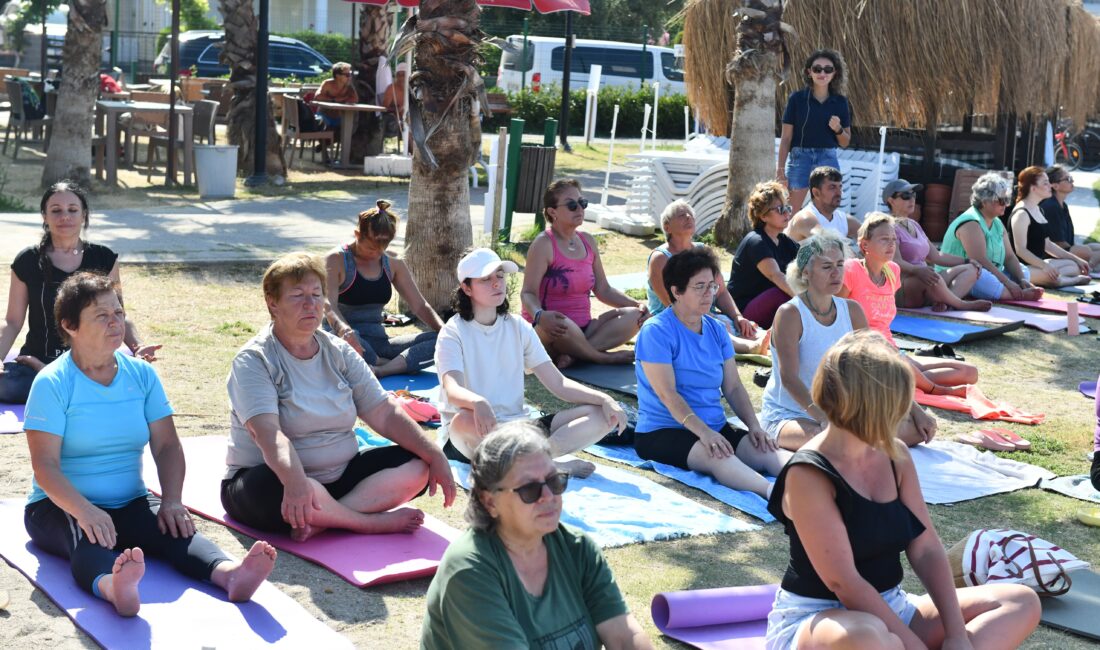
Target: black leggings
1096, 470
56, 532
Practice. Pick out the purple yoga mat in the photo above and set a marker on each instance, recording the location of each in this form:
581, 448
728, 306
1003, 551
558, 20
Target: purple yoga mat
176, 612
1088, 389
1044, 322
362, 560
728, 618
11, 418
1047, 304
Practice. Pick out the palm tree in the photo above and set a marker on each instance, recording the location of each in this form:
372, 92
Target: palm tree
69, 154
374, 37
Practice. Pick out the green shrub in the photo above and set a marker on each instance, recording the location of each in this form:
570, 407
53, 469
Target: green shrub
335, 47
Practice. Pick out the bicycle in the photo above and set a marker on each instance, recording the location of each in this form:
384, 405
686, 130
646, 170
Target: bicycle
1066, 152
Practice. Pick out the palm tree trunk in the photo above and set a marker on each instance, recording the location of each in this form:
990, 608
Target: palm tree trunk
374, 36
70, 151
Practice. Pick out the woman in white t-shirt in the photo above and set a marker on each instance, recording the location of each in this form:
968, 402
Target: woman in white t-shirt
482, 354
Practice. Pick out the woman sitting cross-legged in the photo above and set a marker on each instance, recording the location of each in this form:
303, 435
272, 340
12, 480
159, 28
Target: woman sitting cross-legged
518, 578
295, 392
851, 504
685, 366
90, 415
482, 355
805, 328
757, 280
563, 267
873, 282
1050, 264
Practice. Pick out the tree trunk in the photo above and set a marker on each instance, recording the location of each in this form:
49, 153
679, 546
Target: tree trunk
439, 196
753, 73
374, 36
239, 53
70, 151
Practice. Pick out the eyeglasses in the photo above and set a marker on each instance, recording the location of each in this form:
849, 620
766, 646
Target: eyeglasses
530, 492
573, 205
904, 196
1067, 179
704, 287
1003, 201
781, 209
827, 69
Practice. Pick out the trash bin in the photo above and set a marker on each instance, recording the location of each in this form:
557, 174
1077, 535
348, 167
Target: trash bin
216, 168
536, 170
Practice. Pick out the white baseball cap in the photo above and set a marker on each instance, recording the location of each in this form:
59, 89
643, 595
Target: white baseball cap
480, 262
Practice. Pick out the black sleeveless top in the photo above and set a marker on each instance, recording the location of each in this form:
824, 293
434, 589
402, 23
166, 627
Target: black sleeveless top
358, 290
877, 532
1037, 234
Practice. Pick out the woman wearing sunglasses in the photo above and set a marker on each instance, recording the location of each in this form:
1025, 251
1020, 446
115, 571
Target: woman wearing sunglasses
1050, 264
1060, 228
921, 285
518, 578
979, 235
816, 121
563, 267
757, 281
685, 367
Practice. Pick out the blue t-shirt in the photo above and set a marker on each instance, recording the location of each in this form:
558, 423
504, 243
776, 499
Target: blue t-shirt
697, 360
810, 119
104, 429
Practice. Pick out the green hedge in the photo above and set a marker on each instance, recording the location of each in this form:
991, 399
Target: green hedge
335, 47
536, 108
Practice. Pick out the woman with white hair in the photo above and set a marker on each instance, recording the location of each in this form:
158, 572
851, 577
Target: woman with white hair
979, 235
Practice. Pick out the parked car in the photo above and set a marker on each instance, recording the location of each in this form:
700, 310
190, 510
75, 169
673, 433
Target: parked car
623, 64
201, 49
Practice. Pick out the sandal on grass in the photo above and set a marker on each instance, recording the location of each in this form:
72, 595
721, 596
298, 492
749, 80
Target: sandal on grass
985, 440
1091, 298
1010, 437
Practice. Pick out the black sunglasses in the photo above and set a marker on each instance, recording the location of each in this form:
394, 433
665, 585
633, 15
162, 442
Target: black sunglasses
783, 209
530, 492
827, 69
572, 205
904, 196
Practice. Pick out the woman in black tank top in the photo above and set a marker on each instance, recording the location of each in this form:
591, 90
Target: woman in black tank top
1050, 265
850, 502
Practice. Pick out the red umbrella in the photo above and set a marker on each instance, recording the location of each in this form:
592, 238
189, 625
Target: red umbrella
542, 6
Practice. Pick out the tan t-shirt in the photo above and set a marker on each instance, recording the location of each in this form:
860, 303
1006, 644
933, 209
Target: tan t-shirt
317, 401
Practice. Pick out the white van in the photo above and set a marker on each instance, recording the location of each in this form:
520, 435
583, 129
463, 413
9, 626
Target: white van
624, 64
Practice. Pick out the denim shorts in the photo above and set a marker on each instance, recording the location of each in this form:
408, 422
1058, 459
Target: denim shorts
790, 612
988, 287
801, 161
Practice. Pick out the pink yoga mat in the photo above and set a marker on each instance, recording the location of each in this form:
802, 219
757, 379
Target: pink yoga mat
1045, 322
1047, 304
728, 618
11, 418
362, 560
176, 612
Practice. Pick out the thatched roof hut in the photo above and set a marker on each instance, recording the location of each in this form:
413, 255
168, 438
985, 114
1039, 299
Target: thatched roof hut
915, 61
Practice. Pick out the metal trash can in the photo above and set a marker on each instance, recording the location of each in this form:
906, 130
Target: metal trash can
216, 169
536, 170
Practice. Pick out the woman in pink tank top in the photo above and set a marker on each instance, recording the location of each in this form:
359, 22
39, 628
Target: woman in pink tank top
563, 268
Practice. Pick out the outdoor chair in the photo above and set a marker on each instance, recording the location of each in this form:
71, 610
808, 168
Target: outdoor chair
160, 139
142, 124
19, 121
204, 121
291, 135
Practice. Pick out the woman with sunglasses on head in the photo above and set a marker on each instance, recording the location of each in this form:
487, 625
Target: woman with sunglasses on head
685, 367
757, 281
518, 578
1050, 265
363, 276
816, 122
979, 235
482, 355
563, 267
1060, 224
921, 285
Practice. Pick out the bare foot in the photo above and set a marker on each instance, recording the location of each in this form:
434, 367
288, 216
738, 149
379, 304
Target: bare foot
764, 347
1033, 293
977, 305
305, 532
247, 575
576, 468
939, 306
401, 520
620, 356
564, 361
121, 587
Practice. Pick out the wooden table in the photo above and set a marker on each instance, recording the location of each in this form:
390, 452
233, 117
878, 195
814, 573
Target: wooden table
348, 114
112, 109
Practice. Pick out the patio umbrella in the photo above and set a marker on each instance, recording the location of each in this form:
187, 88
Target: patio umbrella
542, 6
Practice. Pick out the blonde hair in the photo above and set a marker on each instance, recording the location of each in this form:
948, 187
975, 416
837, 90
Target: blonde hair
293, 266
825, 239
872, 221
671, 210
760, 201
864, 386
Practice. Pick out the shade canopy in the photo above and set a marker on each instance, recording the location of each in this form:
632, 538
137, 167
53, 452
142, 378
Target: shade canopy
541, 6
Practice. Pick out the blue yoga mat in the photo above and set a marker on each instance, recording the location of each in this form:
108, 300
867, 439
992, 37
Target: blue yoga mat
945, 331
424, 380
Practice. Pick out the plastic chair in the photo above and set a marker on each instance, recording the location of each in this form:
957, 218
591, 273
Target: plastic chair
291, 134
19, 121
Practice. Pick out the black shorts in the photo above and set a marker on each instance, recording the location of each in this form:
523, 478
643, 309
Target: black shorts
254, 495
452, 452
671, 446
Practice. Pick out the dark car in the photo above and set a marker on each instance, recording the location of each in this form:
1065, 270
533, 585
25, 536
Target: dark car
286, 57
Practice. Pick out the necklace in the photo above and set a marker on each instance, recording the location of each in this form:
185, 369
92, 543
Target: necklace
75, 251
819, 314
571, 244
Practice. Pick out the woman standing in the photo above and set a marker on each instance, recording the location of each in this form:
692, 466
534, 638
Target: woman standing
1050, 264
363, 276
37, 272
816, 122
563, 267
757, 279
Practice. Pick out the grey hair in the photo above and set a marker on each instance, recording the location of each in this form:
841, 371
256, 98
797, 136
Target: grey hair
990, 187
492, 461
822, 241
673, 209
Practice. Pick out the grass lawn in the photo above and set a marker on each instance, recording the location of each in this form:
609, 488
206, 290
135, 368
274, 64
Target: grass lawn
202, 314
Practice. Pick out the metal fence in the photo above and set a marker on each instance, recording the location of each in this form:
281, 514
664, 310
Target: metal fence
135, 54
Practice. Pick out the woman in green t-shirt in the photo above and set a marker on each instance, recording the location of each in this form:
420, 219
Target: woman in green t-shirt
518, 578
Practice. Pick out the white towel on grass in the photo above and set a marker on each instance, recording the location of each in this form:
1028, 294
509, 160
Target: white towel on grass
950, 472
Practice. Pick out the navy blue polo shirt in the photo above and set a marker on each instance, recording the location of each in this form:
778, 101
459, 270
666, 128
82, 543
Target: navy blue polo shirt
810, 119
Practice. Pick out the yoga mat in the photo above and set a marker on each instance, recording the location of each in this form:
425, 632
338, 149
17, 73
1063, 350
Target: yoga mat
619, 377
362, 560
176, 612
424, 380
1078, 487
978, 406
1076, 611
1088, 389
1043, 322
625, 281
1080, 289
950, 472
1048, 304
728, 618
11, 418
942, 331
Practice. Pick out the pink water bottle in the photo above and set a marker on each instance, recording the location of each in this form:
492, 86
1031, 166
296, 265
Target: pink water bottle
1073, 322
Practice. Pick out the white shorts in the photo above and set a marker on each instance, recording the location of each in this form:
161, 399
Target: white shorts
791, 612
